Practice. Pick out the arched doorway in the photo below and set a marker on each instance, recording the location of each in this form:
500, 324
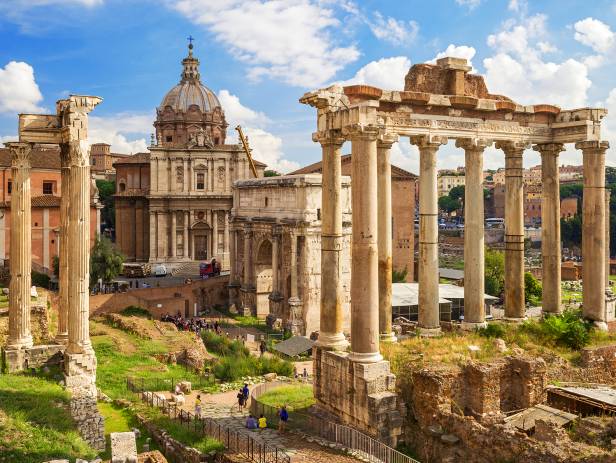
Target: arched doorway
263, 272
200, 235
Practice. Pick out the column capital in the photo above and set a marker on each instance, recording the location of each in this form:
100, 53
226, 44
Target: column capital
512, 148
592, 146
20, 154
549, 148
428, 141
386, 139
329, 137
78, 154
473, 144
361, 131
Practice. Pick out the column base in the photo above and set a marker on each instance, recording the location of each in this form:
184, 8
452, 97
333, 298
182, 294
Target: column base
13, 359
365, 357
24, 343
388, 337
472, 326
62, 338
429, 332
332, 341
601, 326
515, 319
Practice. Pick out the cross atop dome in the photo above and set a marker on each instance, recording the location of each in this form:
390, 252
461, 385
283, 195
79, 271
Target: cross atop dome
190, 63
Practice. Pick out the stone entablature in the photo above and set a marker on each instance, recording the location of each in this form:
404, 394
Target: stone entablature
276, 244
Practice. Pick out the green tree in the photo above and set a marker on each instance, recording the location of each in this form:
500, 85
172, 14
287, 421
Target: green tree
448, 205
610, 175
106, 261
571, 231
399, 276
106, 190
457, 192
532, 289
494, 276
271, 173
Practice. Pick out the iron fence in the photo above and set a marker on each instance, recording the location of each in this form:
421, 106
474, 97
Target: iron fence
367, 447
235, 442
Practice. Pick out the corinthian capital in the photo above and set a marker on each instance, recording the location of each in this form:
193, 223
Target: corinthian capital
361, 131
329, 137
20, 154
386, 139
428, 141
549, 148
473, 144
78, 153
592, 146
511, 147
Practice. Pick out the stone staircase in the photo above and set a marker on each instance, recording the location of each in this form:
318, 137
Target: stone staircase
188, 269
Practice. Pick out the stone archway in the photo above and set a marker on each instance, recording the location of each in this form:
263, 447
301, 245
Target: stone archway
263, 273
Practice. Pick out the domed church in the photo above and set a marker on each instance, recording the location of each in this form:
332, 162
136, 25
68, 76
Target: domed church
173, 203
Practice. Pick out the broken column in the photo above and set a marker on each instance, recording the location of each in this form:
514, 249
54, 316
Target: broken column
593, 232
429, 317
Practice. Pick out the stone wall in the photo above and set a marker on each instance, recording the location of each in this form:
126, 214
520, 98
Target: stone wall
359, 394
89, 421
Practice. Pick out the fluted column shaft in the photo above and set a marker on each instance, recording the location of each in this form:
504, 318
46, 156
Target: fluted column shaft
293, 266
608, 195
474, 285
226, 235
248, 261
153, 235
331, 317
215, 234
79, 251
62, 336
593, 232
174, 234
364, 257
185, 247
429, 316
385, 235
275, 259
20, 335
550, 227
514, 230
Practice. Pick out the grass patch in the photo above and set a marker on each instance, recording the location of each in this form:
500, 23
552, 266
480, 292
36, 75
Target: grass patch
221, 345
295, 397
35, 424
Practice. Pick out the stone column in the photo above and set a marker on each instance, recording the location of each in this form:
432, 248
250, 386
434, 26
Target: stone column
275, 258
215, 234
385, 235
364, 257
293, 266
62, 336
331, 317
79, 253
185, 247
227, 179
248, 265
185, 176
550, 227
608, 195
514, 230
593, 232
174, 234
232, 256
153, 235
474, 303
429, 316
20, 335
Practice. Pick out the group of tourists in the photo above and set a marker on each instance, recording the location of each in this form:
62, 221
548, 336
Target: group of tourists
194, 324
261, 423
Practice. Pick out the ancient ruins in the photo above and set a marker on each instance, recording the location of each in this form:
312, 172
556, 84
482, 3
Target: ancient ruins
68, 128
439, 102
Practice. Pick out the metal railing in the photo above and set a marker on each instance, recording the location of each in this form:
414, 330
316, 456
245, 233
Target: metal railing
235, 442
368, 448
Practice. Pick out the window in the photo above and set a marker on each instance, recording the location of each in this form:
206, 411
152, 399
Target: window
200, 181
47, 188
93, 161
169, 138
266, 201
9, 187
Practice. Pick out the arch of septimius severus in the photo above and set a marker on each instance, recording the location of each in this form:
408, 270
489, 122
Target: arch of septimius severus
68, 128
439, 103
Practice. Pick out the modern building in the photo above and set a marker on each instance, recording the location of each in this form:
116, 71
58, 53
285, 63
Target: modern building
448, 180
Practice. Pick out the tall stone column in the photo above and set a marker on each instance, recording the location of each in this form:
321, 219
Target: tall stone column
174, 234
550, 227
185, 247
248, 261
364, 257
331, 317
385, 235
429, 316
62, 335
215, 234
275, 259
593, 232
608, 195
20, 335
185, 176
474, 303
153, 236
293, 266
514, 230
226, 234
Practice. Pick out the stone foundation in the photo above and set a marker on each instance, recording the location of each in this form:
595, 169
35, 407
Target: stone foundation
359, 394
15, 360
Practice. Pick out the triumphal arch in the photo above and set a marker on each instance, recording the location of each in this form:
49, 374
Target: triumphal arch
439, 102
68, 128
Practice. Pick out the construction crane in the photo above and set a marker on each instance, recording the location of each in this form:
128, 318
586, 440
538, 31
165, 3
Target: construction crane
247, 149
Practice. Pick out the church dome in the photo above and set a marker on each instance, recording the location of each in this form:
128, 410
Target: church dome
190, 92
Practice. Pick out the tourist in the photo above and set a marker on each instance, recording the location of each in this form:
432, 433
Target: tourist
251, 422
262, 348
295, 374
305, 375
246, 392
262, 422
198, 406
283, 416
240, 400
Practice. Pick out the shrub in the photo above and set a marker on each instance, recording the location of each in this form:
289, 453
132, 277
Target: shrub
568, 329
532, 289
223, 346
40, 279
136, 311
493, 330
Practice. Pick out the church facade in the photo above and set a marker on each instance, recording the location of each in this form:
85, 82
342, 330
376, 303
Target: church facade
173, 204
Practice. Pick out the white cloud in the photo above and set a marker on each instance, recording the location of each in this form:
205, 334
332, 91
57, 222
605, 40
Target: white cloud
266, 147
288, 41
18, 89
125, 132
518, 6
394, 31
386, 73
470, 4
594, 34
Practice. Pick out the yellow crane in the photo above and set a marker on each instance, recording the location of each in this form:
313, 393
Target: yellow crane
247, 149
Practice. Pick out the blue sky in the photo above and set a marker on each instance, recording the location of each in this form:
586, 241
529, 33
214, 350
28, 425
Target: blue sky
260, 56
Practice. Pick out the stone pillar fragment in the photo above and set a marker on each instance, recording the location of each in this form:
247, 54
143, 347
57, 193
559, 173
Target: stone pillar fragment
385, 235
331, 317
514, 230
550, 227
20, 335
62, 335
593, 232
429, 317
474, 303
364, 254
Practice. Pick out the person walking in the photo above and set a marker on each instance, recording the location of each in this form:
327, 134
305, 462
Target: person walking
240, 400
283, 416
262, 422
246, 392
198, 406
262, 348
